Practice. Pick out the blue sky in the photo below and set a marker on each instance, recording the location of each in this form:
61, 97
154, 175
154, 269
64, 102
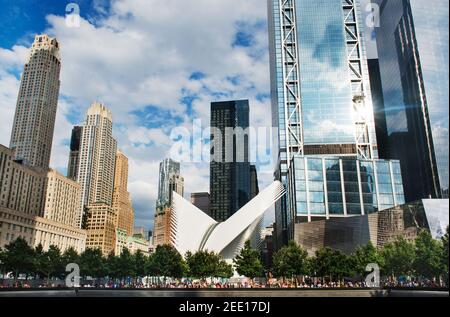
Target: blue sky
157, 64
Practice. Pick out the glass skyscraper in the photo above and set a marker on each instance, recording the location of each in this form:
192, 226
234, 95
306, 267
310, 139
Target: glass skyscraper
413, 54
230, 181
168, 168
321, 103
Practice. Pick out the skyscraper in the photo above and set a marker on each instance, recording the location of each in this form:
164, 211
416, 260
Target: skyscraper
202, 201
378, 107
254, 185
121, 197
167, 168
170, 180
74, 156
322, 105
230, 187
413, 52
34, 120
97, 157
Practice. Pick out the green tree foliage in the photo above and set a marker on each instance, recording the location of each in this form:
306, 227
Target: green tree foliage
125, 264
444, 254
92, 263
428, 256
50, 263
291, 260
139, 263
204, 264
2, 255
365, 255
333, 263
18, 258
112, 266
167, 262
70, 256
248, 262
398, 258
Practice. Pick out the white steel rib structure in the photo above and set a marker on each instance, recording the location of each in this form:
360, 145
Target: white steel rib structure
193, 230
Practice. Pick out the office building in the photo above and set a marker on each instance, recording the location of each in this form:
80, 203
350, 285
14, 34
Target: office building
23, 194
170, 180
321, 97
98, 151
201, 201
121, 197
62, 200
254, 185
34, 120
22, 188
413, 53
230, 187
167, 168
101, 226
327, 187
74, 155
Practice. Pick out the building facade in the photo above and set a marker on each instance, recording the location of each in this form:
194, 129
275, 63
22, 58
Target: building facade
98, 151
62, 200
254, 184
379, 228
321, 93
22, 188
101, 226
34, 120
201, 201
23, 212
74, 155
327, 187
170, 180
167, 168
230, 183
413, 53
38, 230
121, 197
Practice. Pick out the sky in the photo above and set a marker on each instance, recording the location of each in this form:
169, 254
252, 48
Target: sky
157, 64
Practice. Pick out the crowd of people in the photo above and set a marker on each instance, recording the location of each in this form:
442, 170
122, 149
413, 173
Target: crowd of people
227, 284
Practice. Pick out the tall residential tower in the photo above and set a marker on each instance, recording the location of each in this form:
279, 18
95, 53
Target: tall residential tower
98, 151
34, 120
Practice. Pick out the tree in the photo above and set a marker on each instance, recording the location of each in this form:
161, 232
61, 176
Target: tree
139, 261
167, 262
125, 264
291, 260
70, 256
248, 262
398, 258
112, 266
50, 263
444, 255
332, 263
428, 256
92, 263
204, 264
37, 261
18, 258
365, 255
2, 255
